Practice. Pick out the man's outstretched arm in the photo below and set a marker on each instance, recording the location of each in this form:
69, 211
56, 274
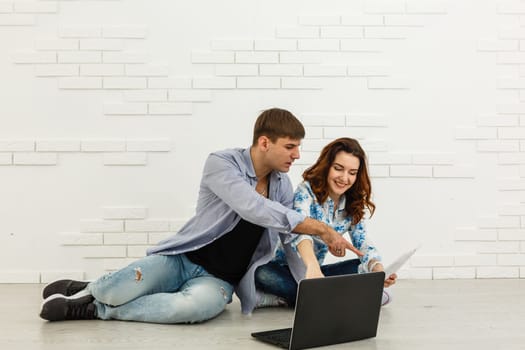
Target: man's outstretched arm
336, 243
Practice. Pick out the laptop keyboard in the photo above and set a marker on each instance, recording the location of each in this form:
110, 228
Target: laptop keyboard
279, 337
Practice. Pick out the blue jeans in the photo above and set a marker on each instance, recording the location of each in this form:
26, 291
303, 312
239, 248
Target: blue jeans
274, 278
161, 289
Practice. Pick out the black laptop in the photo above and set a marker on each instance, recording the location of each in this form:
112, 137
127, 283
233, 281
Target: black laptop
331, 310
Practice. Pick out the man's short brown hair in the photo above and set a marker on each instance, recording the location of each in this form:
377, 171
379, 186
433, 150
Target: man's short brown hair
275, 123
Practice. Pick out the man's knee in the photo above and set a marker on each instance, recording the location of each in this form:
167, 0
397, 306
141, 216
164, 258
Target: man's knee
200, 303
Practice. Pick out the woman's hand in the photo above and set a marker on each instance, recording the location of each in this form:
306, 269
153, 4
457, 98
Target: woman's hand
377, 267
390, 280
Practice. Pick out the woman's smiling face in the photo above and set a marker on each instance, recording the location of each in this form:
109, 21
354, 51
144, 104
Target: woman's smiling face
342, 174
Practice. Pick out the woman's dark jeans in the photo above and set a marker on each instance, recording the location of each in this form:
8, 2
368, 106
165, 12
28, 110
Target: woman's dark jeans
276, 279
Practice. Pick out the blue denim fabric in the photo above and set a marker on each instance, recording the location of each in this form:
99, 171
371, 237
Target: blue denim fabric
274, 278
161, 289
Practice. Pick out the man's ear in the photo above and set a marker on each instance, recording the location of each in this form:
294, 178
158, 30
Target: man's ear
264, 142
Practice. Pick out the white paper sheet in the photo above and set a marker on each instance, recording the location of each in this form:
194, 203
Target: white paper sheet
399, 262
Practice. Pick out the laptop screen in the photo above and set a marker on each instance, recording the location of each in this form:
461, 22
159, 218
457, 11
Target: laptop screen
333, 310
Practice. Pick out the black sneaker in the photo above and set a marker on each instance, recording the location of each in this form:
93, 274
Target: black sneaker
64, 287
59, 308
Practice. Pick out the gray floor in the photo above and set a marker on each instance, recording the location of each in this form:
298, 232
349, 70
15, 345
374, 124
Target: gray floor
425, 315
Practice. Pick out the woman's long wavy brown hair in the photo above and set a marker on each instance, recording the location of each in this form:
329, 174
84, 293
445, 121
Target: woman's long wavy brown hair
357, 196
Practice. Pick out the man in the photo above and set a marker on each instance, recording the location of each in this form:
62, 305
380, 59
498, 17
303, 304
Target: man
244, 202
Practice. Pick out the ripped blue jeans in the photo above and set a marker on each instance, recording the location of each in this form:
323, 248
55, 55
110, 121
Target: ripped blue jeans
160, 289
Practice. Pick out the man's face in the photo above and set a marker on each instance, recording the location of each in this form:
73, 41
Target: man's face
282, 153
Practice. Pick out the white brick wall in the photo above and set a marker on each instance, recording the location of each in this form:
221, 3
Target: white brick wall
384, 6
117, 112
454, 273
80, 83
127, 32
101, 44
124, 213
498, 272
24, 158
146, 95
256, 57
319, 20
6, 159
236, 69
426, 6
146, 70
103, 145
80, 239
19, 276
101, 69
121, 234
213, 57
79, 32
79, 57
169, 83
275, 45
132, 158
214, 83
171, 108
147, 226
124, 57
36, 7
341, 32
6, 7
56, 44
258, 83
125, 108
16, 20
101, 226
56, 70
190, 95
297, 32
476, 260
47, 152
33, 57
50, 276
58, 146
231, 45
281, 69
17, 145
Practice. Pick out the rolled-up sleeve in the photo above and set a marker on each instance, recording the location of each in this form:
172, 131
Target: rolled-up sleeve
362, 242
301, 203
225, 179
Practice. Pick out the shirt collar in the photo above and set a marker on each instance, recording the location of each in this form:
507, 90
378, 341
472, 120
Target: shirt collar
342, 202
250, 171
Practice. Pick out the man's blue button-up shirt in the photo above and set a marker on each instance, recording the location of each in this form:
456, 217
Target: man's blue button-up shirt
227, 194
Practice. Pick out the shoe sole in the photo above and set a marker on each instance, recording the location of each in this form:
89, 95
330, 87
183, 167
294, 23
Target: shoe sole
50, 283
81, 294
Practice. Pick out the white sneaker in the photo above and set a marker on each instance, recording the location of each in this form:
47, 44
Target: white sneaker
386, 298
269, 300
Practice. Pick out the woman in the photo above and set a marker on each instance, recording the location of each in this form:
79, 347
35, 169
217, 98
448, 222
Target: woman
337, 191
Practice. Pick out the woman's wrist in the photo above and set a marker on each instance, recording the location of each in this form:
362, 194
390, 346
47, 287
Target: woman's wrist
373, 264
